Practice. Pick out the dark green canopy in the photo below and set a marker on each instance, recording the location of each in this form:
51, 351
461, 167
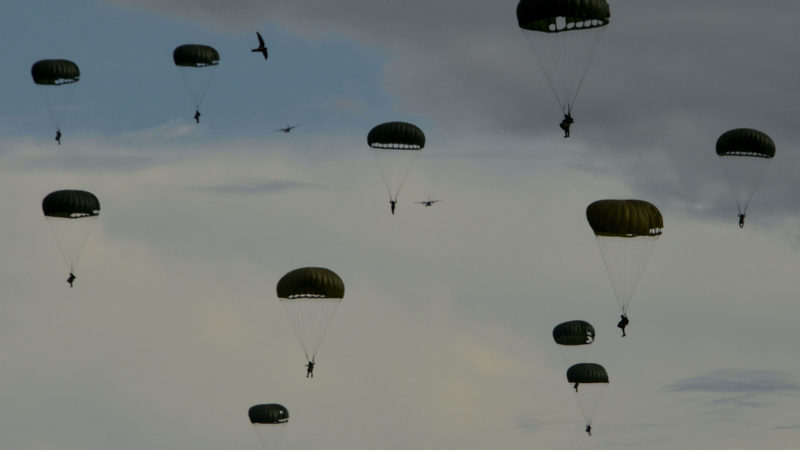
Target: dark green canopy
70, 204
396, 136
624, 218
574, 332
745, 142
311, 282
195, 55
270, 413
55, 71
587, 373
541, 15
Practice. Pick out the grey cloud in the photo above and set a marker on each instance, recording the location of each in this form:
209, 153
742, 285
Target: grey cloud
738, 381
667, 80
272, 186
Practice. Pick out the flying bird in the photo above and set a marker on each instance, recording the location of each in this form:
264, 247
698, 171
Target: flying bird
261, 47
287, 128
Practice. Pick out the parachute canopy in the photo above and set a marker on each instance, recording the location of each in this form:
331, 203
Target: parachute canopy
745, 142
587, 373
574, 332
310, 297
71, 215
624, 218
396, 136
270, 413
55, 72
70, 204
310, 282
543, 15
195, 55
564, 36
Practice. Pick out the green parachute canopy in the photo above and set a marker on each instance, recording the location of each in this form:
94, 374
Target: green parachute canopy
587, 373
574, 332
270, 413
55, 72
624, 218
310, 282
745, 142
195, 55
70, 204
543, 15
396, 136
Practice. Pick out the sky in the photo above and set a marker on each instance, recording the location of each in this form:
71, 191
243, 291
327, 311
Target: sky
443, 340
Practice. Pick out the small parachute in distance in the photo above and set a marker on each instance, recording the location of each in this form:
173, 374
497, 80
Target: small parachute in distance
197, 64
396, 146
626, 231
55, 80
744, 154
269, 420
564, 36
71, 215
573, 332
589, 381
310, 297
573, 339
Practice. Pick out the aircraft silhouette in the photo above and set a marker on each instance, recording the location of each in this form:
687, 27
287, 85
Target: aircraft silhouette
287, 128
428, 202
261, 47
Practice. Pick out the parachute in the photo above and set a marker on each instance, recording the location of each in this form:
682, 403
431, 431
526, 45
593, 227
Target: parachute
71, 215
573, 338
55, 80
396, 146
626, 231
744, 154
269, 420
310, 297
196, 64
589, 381
564, 36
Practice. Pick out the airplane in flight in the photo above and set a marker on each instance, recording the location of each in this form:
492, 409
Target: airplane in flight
428, 202
287, 128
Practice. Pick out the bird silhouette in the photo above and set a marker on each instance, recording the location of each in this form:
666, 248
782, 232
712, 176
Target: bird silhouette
261, 47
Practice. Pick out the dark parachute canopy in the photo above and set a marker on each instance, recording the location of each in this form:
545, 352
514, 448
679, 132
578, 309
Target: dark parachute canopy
587, 373
574, 332
55, 72
269, 413
624, 218
310, 282
745, 142
564, 36
396, 136
70, 204
195, 55
541, 15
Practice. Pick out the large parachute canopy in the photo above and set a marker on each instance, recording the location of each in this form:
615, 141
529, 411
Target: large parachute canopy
573, 338
626, 231
744, 154
71, 215
589, 382
564, 35
269, 421
310, 297
197, 64
55, 80
396, 146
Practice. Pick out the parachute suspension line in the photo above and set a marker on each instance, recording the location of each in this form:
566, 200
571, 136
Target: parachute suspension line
744, 175
565, 58
56, 104
197, 84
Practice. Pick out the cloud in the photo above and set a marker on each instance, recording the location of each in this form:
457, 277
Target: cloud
735, 381
257, 187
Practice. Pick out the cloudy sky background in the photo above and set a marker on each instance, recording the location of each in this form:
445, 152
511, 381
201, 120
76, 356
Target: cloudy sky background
443, 339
